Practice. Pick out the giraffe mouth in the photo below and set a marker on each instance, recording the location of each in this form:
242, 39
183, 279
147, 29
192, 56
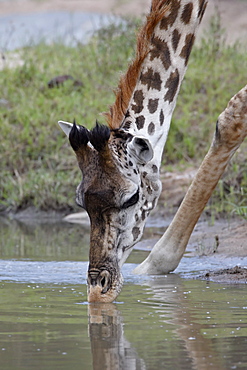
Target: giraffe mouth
100, 278
102, 286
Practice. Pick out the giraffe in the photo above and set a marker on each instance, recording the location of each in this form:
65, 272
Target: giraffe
120, 162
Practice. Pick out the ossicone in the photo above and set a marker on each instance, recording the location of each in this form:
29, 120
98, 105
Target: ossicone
99, 136
78, 137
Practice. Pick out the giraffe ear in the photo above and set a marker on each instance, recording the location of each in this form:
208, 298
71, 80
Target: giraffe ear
66, 127
141, 149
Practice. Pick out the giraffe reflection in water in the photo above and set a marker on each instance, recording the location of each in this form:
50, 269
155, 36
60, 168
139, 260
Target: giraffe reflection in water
110, 349
181, 342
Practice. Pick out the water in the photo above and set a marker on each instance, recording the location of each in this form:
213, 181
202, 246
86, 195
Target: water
166, 322
18, 30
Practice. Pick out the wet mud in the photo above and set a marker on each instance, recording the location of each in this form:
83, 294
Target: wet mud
234, 275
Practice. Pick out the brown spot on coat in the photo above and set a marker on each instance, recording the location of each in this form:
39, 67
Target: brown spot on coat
135, 232
151, 79
151, 128
175, 39
171, 17
127, 125
161, 117
153, 105
202, 8
154, 168
185, 52
160, 50
138, 100
140, 122
187, 12
172, 85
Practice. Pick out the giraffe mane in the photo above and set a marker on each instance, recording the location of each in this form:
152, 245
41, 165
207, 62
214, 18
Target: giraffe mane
128, 81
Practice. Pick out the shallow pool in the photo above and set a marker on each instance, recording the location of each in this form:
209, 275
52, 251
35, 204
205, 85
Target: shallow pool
166, 322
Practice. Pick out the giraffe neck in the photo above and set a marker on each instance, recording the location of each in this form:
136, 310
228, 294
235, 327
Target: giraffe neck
231, 130
161, 74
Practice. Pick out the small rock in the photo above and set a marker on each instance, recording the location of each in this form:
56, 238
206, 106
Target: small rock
59, 80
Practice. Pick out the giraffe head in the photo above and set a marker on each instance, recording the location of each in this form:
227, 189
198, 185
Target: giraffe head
120, 185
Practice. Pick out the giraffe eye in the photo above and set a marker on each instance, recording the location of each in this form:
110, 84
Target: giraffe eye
133, 200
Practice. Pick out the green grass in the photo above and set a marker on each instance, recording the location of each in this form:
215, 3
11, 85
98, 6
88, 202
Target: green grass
38, 167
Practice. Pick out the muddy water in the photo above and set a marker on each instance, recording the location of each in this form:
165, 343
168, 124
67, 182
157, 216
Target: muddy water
168, 322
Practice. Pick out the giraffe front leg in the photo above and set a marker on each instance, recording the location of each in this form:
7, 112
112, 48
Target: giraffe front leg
231, 130
231, 127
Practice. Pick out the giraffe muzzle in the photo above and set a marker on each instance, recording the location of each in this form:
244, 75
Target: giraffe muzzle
99, 279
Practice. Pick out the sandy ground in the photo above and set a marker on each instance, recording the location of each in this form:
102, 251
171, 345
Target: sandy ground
233, 13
